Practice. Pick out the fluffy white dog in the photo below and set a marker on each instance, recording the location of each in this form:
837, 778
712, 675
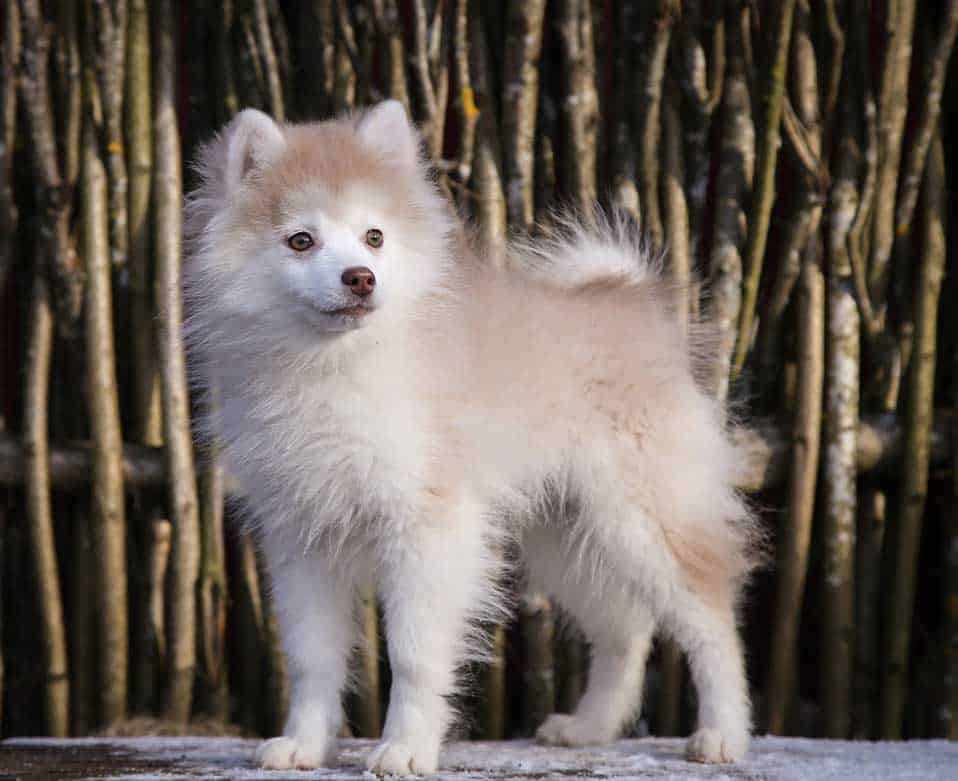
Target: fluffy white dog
394, 404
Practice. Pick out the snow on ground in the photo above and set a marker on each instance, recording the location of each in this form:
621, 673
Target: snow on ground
771, 759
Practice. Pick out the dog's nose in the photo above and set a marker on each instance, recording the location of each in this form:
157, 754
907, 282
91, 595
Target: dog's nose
360, 280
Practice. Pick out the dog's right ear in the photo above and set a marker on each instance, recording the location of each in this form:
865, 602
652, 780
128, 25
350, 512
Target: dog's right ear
253, 141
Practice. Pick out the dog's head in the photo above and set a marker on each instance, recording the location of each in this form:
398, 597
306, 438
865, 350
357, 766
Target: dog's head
316, 228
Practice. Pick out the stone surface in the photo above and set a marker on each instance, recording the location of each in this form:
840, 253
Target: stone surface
788, 759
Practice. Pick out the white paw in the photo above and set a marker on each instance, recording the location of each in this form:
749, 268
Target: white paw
392, 758
291, 753
563, 729
712, 745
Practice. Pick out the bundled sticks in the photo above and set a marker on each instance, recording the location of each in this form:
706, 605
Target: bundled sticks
794, 156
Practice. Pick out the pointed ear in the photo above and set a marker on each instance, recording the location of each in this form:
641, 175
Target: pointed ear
254, 140
386, 129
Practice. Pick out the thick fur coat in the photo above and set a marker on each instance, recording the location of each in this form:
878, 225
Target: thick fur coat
402, 422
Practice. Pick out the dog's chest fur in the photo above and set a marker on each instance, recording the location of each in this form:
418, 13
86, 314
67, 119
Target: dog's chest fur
318, 451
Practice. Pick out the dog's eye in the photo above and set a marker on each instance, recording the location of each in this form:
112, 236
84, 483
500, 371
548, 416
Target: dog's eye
300, 242
374, 238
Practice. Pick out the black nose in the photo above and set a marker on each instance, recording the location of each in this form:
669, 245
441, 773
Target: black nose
360, 280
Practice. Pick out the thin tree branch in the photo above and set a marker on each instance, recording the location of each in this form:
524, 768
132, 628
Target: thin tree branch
763, 193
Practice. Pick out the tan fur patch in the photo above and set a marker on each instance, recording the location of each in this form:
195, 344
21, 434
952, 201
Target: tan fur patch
326, 153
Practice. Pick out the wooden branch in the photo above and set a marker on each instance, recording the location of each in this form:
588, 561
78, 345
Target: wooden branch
467, 113
70, 464
183, 502
251, 76
676, 234
248, 625
108, 28
929, 108
439, 37
701, 76
841, 619
223, 76
346, 40
892, 110
213, 591
66, 92
763, 191
367, 720
655, 34
879, 447
803, 130
536, 627
674, 208
53, 197
56, 692
545, 177
864, 97
519, 107
431, 103
107, 506
9, 64
580, 102
803, 473
389, 35
840, 504
736, 161
276, 693
492, 677
869, 541
145, 388
279, 36
269, 60
916, 459
487, 177
840, 501
769, 340
836, 54
625, 194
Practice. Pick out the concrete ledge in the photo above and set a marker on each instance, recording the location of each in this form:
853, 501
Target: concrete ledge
788, 759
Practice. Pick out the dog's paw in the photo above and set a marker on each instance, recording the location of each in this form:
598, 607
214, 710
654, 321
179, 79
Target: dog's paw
399, 758
291, 753
712, 745
563, 729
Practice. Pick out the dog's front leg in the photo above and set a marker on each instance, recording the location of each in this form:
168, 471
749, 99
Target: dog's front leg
314, 603
433, 576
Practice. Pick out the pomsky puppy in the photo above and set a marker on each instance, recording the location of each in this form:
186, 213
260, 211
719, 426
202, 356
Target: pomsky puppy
396, 406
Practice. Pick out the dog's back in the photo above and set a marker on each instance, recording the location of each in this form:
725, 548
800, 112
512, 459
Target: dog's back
566, 365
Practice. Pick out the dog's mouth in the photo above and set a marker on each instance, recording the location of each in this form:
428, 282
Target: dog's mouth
355, 311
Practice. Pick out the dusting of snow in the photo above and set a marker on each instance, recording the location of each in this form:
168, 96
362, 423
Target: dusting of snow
770, 759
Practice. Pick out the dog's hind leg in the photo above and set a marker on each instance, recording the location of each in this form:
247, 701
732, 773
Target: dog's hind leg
619, 630
314, 604
694, 602
707, 632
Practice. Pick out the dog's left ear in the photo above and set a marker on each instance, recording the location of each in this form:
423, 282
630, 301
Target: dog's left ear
386, 129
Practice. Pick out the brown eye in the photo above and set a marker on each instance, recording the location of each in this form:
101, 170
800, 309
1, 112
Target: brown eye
300, 242
374, 238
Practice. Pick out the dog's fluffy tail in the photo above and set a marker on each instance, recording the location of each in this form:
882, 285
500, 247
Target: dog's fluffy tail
578, 249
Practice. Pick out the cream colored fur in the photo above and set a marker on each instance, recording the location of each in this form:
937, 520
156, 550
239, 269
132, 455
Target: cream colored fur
549, 398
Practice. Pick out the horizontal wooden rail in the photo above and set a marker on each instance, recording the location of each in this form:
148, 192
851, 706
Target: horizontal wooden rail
879, 447
70, 464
